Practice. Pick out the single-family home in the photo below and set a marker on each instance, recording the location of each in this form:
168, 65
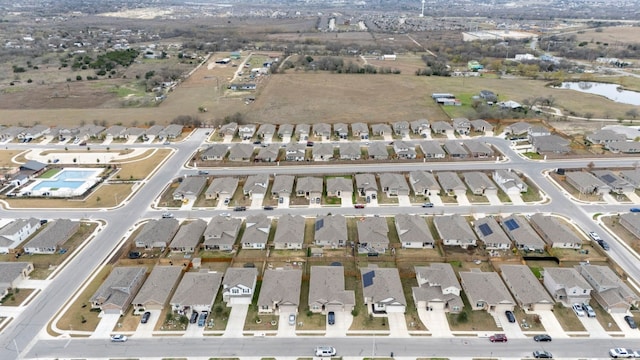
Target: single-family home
519, 128
14, 233
404, 150
238, 285
152, 132
330, 230
229, 129
172, 131
189, 188
360, 130
303, 131
157, 233
461, 125
339, 187
12, 274
381, 129
280, 291
604, 136
282, 186
454, 230
10, 133
196, 292
478, 149
322, 152
256, 232
327, 292
246, 131
522, 234
373, 234
481, 125
438, 288
221, 188
382, 290
536, 131
617, 184
118, 290
394, 184
289, 232
221, 233
442, 128
489, 231
341, 130
566, 285
367, 186
134, 133
156, 290
295, 152
432, 150
413, 232
420, 127
455, 149
486, 291
268, 153
586, 183
256, 185
631, 176
215, 152
266, 131
52, 237
509, 182
91, 131
625, 147
378, 151
424, 183
488, 96
551, 144
115, 132
479, 183
188, 236
401, 128
451, 183
34, 132
240, 152
526, 288
322, 131
310, 187
285, 130
555, 232
350, 151
608, 289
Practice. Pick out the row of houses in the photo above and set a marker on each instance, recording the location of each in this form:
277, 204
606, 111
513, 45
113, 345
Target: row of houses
542, 140
221, 233
49, 240
604, 181
87, 132
367, 185
614, 141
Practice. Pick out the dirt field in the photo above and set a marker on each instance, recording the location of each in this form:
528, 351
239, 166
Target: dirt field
615, 35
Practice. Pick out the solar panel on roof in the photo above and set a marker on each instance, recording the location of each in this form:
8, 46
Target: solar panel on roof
511, 224
608, 178
485, 229
319, 224
367, 278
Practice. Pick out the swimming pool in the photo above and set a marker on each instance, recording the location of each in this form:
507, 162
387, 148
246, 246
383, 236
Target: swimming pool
66, 183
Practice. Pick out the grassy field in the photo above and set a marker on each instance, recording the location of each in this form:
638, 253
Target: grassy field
143, 166
6, 156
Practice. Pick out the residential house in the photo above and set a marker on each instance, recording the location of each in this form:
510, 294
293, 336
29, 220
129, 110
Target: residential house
509, 182
322, 131
401, 128
256, 232
461, 125
378, 151
605, 136
438, 288
367, 186
152, 132
451, 184
134, 133
478, 149
16, 232
215, 152
481, 125
118, 290
339, 187
196, 292
280, 291
157, 233
256, 185
555, 232
115, 132
394, 184
413, 232
322, 152
221, 233
382, 290
88, 131
221, 188
341, 130
240, 152
420, 127
537, 131
488, 96
310, 187
454, 230
189, 188
455, 149
289, 232
266, 131
350, 151
586, 183
404, 150
246, 131
360, 130
172, 131
617, 184
526, 288
188, 236
632, 176
268, 153
373, 234
486, 291
285, 130
489, 231
625, 147
608, 289
424, 183
522, 234
282, 186
52, 237
566, 285
442, 128
519, 128
327, 292
156, 290
381, 129
295, 152
330, 230
551, 144
34, 132
12, 274
239, 285
479, 183
303, 131
10, 133
229, 129
432, 150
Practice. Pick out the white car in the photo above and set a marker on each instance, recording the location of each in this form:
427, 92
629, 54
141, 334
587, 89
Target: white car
577, 308
594, 236
118, 338
620, 353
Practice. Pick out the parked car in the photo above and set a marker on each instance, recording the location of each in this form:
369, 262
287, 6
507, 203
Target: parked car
268, 208
594, 236
292, 319
577, 308
203, 172
498, 338
167, 215
134, 255
202, 319
603, 244
542, 338
589, 310
427, 205
620, 353
194, 318
227, 201
325, 351
145, 317
541, 354
510, 316
118, 338
240, 208
631, 321
331, 317
634, 209
359, 206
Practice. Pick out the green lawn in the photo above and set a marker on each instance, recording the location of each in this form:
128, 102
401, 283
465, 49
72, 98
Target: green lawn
49, 173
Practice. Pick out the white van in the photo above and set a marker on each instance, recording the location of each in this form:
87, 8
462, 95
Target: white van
325, 351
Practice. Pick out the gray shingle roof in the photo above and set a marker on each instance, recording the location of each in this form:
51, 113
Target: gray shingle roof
385, 285
283, 184
412, 229
432, 149
157, 233
330, 228
423, 180
197, 288
335, 184
485, 286
222, 186
10, 271
524, 285
454, 227
120, 286
553, 230
240, 151
490, 232
54, 234
521, 232
290, 230
239, 277
449, 181
222, 231
158, 286
281, 287
309, 184
478, 181
190, 186
257, 229
326, 287
256, 184
189, 235
366, 182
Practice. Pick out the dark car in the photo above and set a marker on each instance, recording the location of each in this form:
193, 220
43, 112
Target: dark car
134, 255
359, 206
631, 321
145, 317
510, 316
498, 338
542, 338
634, 209
194, 317
603, 244
331, 317
427, 205
240, 208
542, 355
202, 319
268, 208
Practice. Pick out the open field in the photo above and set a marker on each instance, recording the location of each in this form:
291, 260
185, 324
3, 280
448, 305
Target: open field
615, 35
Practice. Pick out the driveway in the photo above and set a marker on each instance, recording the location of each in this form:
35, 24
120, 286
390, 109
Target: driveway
284, 204
633, 197
347, 201
593, 327
436, 322
193, 330
513, 329
256, 201
609, 199
493, 199
624, 327
397, 325
284, 329
463, 200
516, 199
237, 317
146, 330
551, 324
106, 325
435, 200
404, 200
342, 325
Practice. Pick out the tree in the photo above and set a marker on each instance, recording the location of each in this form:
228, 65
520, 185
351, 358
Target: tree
633, 113
590, 166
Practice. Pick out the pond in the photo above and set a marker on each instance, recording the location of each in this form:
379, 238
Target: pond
611, 91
